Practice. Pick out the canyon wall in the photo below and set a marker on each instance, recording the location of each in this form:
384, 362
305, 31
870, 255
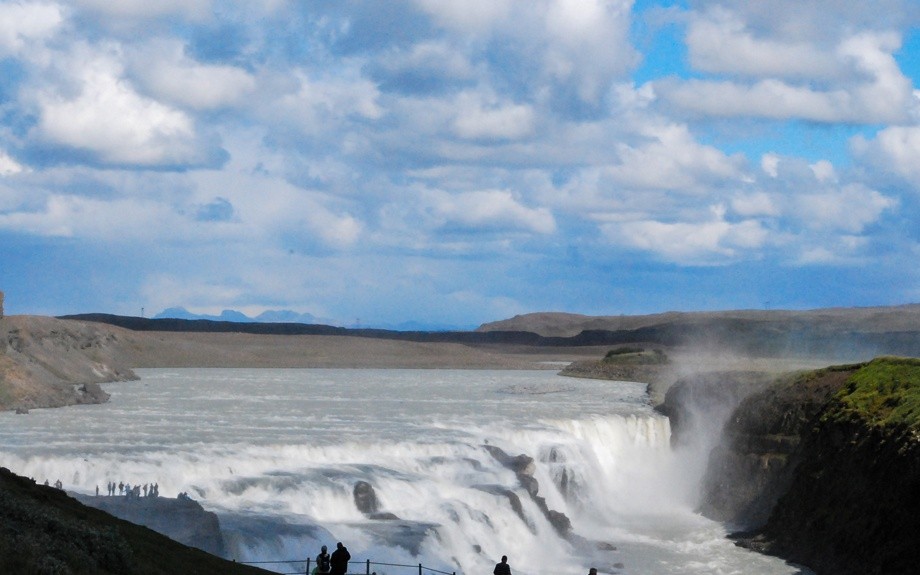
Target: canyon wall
823, 468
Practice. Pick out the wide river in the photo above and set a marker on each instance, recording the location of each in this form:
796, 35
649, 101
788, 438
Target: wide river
277, 453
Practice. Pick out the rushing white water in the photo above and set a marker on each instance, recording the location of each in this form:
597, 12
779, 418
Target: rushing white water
276, 454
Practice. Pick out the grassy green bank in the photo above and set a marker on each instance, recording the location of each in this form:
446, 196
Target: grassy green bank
884, 393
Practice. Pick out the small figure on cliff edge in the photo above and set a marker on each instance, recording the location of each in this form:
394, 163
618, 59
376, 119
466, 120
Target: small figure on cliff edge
502, 568
338, 562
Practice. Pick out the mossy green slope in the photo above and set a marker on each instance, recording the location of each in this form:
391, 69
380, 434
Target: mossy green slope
884, 392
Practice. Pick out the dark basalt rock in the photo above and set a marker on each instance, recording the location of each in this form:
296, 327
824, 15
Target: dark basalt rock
513, 500
853, 506
753, 465
367, 503
365, 498
707, 399
92, 393
820, 482
524, 467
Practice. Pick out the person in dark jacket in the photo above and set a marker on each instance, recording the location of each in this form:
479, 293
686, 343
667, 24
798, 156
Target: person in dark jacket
323, 562
502, 568
339, 560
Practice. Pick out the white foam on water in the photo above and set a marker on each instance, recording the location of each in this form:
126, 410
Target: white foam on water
276, 454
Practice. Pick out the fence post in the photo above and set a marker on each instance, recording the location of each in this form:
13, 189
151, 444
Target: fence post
368, 569
307, 572
419, 569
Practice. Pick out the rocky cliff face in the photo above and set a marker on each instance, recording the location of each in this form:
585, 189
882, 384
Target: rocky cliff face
46, 362
699, 404
43, 530
183, 520
760, 448
823, 468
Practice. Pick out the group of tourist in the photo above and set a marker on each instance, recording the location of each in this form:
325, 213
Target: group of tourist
145, 490
337, 563
128, 490
334, 564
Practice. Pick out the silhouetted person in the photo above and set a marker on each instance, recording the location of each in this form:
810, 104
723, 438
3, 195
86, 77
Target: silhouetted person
502, 568
338, 563
323, 562
592, 571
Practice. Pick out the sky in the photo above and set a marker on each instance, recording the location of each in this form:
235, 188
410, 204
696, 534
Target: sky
454, 163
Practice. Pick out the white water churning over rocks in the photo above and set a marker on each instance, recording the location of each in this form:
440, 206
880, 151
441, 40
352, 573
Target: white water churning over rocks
453, 469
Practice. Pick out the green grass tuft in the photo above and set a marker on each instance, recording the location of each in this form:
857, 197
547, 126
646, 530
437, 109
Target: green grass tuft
635, 356
884, 392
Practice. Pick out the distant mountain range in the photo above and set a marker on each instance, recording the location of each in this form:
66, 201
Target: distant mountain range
288, 316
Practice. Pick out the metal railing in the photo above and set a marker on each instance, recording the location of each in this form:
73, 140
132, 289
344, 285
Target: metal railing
422, 570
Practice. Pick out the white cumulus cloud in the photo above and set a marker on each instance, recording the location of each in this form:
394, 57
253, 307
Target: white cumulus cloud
849, 209
711, 241
9, 166
490, 209
671, 158
895, 150
169, 75
22, 23
477, 119
101, 113
789, 76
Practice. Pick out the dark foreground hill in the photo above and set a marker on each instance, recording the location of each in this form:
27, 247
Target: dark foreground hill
44, 531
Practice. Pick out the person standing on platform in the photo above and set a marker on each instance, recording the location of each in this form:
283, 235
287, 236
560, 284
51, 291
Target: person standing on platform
339, 560
502, 568
322, 562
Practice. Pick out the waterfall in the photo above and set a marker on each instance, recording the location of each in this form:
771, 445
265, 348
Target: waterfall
462, 467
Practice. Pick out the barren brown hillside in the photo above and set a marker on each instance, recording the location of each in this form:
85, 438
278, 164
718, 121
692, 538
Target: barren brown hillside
866, 319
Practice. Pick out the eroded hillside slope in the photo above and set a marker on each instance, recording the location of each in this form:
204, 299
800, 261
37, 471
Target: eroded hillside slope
46, 362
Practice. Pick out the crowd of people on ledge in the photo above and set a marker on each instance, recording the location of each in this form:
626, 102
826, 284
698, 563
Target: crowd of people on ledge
128, 490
